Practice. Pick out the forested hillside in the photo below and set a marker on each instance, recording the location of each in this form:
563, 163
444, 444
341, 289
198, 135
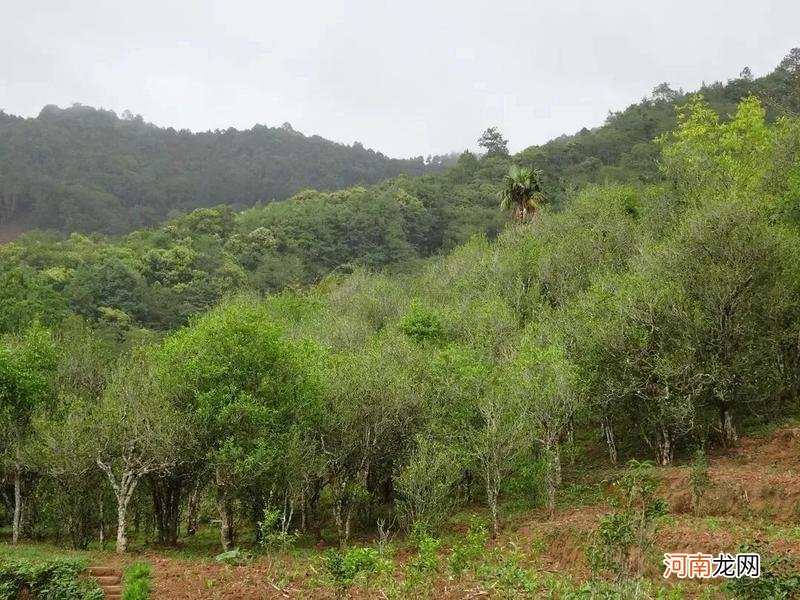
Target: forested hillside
85, 169
624, 148
341, 367
158, 277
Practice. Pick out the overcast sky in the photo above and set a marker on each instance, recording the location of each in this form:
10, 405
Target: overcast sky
407, 77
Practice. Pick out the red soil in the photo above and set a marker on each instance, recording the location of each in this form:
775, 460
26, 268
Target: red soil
753, 485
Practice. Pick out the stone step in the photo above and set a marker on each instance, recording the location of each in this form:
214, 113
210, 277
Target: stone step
104, 572
112, 590
109, 579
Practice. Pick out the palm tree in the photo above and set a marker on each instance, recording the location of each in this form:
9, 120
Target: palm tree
522, 192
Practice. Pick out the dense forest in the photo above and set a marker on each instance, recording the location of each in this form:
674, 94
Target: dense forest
158, 277
82, 169
383, 355
86, 170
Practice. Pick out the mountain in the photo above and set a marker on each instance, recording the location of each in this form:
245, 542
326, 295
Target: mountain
83, 169
89, 170
624, 149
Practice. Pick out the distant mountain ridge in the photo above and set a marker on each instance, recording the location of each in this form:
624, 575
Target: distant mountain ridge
86, 169
623, 149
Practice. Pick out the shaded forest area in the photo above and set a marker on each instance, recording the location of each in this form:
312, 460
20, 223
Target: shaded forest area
82, 169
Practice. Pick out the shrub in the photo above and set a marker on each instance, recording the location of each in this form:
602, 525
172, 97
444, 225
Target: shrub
427, 546
345, 567
422, 323
631, 527
424, 564
778, 580
50, 579
467, 552
233, 557
699, 479
137, 582
274, 529
425, 484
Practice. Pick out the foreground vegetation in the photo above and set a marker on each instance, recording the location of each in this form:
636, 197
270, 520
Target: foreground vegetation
533, 555
661, 318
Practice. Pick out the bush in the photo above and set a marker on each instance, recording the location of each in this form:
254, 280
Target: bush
233, 557
425, 484
424, 564
422, 323
137, 582
699, 479
48, 579
274, 531
345, 567
631, 527
777, 580
468, 551
427, 546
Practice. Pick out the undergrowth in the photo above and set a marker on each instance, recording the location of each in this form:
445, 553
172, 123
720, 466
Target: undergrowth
47, 579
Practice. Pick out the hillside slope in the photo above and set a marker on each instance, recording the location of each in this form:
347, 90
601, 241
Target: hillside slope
85, 169
623, 149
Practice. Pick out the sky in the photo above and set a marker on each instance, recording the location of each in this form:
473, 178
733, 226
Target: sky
407, 78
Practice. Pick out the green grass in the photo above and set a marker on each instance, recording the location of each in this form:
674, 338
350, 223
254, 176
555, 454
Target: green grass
39, 551
575, 495
762, 429
137, 581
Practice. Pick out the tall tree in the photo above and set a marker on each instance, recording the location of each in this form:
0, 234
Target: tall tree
522, 193
493, 142
244, 385
136, 429
545, 381
27, 362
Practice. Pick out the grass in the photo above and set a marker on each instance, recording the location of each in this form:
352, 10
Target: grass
137, 581
575, 495
40, 551
761, 429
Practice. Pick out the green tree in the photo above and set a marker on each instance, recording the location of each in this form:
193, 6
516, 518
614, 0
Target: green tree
493, 142
706, 158
545, 382
736, 271
522, 193
244, 385
135, 429
365, 415
27, 362
25, 297
63, 448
